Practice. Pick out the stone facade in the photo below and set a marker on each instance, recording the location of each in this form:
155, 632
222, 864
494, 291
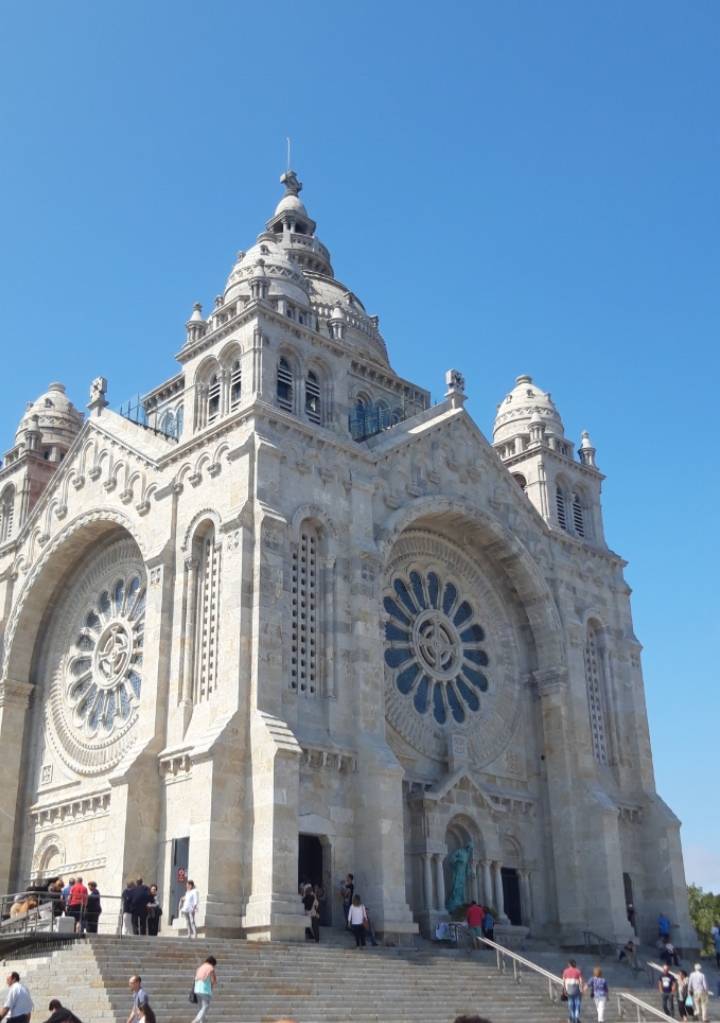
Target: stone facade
299, 621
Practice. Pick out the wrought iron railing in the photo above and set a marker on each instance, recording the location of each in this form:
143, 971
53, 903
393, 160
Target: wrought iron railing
374, 417
45, 913
166, 426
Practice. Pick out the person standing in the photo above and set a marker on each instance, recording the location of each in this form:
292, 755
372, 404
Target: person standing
154, 912
315, 915
682, 995
572, 986
66, 893
357, 919
663, 927
489, 924
77, 901
698, 991
93, 908
599, 992
138, 904
18, 1003
189, 906
205, 981
474, 920
347, 890
139, 997
667, 988
127, 907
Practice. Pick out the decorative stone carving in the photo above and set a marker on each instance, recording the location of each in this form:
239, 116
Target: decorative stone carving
451, 658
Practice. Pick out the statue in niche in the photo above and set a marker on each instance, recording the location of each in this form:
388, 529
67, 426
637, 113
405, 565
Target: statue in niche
460, 862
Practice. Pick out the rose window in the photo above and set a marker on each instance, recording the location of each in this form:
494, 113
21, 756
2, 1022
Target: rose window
434, 645
104, 668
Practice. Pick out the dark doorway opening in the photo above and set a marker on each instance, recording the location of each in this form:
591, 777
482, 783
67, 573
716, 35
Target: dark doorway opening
179, 875
629, 901
511, 895
310, 860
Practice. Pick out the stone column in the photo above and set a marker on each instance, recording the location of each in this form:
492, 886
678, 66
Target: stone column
14, 700
499, 897
440, 882
525, 897
487, 883
427, 881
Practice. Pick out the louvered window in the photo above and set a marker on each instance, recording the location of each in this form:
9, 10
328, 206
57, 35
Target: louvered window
594, 678
7, 512
235, 385
304, 631
284, 385
560, 505
207, 617
312, 398
213, 399
578, 516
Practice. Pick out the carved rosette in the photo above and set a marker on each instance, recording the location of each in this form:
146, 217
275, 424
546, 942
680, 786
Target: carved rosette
450, 651
93, 656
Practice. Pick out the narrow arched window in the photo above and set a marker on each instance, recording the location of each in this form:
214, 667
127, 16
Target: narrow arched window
179, 420
235, 385
561, 508
595, 683
520, 480
284, 385
312, 398
168, 424
7, 513
578, 516
205, 605
213, 398
304, 633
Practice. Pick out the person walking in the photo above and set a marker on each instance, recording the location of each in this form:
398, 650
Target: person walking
154, 912
599, 992
315, 915
127, 907
663, 927
18, 1003
138, 905
205, 981
59, 1014
572, 986
667, 988
357, 920
698, 991
139, 997
684, 1000
474, 919
93, 908
189, 906
488, 924
347, 891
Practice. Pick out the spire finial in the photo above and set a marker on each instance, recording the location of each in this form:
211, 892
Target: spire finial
292, 185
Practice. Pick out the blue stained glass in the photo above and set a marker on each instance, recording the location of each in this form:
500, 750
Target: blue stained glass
449, 598
92, 621
392, 609
139, 606
433, 585
78, 688
402, 592
105, 602
418, 589
476, 677
119, 594
135, 681
439, 711
406, 679
455, 706
463, 613
476, 656
95, 714
474, 634
397, 656
80, 665
124, 704
109, 712
420, 699
468, 695
87, 699
394, 632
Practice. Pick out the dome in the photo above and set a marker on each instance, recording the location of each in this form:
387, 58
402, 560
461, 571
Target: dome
268, 259
525, 403
57, 418
290, 202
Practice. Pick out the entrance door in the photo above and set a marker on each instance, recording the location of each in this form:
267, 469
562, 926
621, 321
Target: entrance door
310, 870
511, 895
629, 900
179, 873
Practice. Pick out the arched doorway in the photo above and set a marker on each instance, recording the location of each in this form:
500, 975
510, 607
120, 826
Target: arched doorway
464, 849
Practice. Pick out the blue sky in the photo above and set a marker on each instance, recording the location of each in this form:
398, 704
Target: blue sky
513, 187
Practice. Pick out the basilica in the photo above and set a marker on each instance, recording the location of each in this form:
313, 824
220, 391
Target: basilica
287, 619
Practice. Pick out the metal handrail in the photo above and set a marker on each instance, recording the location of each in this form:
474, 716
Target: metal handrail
517, 960
36, 919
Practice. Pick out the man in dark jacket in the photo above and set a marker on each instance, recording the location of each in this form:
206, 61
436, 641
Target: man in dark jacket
139, 903
60, 1014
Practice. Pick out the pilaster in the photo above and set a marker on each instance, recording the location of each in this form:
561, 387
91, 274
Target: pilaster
14, 702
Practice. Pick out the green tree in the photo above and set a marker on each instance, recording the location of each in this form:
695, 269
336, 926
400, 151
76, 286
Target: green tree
704, 912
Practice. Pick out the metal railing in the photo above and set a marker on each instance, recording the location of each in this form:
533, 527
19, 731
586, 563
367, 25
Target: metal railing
45, 913
605, 948
628, 1006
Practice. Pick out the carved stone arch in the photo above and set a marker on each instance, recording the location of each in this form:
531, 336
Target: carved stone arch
206, 368
49, 855
231, 350
184, 471
102, 456
511, 851
465, 829
507, 552
205, 515
201, 462
88, 455
37, 597
135, 477
222, 449
316, 514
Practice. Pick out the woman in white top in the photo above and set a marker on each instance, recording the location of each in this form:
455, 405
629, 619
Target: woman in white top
357, 918
188, 908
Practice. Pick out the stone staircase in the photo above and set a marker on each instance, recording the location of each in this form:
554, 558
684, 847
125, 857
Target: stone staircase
309, 983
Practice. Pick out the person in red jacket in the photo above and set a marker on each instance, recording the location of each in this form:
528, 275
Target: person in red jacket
474, 919
77, 901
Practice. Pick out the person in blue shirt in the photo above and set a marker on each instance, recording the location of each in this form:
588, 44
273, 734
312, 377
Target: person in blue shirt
663, 926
